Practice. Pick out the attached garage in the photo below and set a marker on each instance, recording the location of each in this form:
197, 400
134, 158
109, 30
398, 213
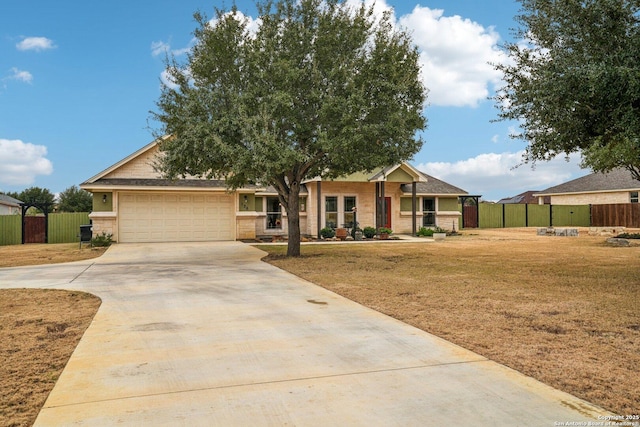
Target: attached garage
175, 216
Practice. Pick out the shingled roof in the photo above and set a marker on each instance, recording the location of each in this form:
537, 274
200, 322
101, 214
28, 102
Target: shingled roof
523, 198
616, 180
433, 186
9, 201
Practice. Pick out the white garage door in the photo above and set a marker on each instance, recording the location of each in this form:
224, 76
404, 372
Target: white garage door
175, 217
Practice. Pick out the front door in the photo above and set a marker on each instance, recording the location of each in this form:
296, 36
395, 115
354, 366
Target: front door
387, 210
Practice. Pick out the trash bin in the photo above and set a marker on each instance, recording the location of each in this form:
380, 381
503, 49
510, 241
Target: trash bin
86, 234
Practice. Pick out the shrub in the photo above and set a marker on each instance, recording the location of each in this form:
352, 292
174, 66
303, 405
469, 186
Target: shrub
103, 239
384, 230
327, 233
628, 236
369, 232
425, 232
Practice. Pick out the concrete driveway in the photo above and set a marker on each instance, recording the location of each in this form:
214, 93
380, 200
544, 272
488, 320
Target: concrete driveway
204, 334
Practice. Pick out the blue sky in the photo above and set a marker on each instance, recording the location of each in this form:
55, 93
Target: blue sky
78, 79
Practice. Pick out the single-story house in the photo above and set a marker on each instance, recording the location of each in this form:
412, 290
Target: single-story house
616, 186
9, 205
133, 203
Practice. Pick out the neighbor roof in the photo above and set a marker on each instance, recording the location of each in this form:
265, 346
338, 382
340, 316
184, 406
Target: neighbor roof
616, 180
9, 201
526, 197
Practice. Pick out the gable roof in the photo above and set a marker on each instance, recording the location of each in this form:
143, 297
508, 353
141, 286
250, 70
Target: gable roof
616, 180
118, 176
9, 201
124, 161
385, 173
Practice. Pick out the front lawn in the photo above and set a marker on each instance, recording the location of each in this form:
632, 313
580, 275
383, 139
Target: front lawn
564, 310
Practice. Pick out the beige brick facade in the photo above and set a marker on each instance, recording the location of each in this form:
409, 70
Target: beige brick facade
140, 167
591, 198
104, 222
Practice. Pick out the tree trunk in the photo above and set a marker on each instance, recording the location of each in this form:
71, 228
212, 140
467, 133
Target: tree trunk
293, 220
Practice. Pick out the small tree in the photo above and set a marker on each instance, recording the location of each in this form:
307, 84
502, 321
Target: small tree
74, 199
576, 85
320, 90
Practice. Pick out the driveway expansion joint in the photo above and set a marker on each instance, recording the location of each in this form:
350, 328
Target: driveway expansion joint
82, 272
263, 383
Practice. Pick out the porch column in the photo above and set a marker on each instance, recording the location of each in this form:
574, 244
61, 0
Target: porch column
414, 220
383, 206
377, 221
319, 208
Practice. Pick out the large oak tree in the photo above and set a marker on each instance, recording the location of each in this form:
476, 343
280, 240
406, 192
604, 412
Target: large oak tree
574, 81
320, 89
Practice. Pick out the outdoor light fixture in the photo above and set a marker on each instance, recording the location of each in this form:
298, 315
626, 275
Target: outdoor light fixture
104, 198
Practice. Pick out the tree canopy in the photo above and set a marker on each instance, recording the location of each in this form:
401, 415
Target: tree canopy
74, 199
320, 89
573, 81
36, 196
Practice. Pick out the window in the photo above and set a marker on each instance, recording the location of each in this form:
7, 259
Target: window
634, 197
338, 211
331, 211
349, 204
428, 212
274, 214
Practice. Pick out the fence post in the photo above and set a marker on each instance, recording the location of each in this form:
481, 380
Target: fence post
550, 215
504, 221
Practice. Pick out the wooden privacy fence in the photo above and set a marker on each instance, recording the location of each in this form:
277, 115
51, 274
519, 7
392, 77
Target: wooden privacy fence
521, 215
624, 214
62, 227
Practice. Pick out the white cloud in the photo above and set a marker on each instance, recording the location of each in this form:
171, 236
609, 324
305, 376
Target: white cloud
496, 175
166, 79
253, 25
20, 75
22, 162
455, 56
35, 43
159, 48
455, 53
162, 48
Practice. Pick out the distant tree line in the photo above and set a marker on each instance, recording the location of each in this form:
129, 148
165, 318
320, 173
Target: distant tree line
73, 199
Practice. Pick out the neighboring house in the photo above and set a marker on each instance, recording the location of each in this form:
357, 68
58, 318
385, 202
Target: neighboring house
9, 205
133, 203
617, 186
523, 198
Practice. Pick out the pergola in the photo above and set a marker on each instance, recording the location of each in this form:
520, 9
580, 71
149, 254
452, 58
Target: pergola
44, 207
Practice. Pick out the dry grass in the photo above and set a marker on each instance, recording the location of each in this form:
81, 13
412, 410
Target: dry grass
560, 309
39, 329
36, 254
